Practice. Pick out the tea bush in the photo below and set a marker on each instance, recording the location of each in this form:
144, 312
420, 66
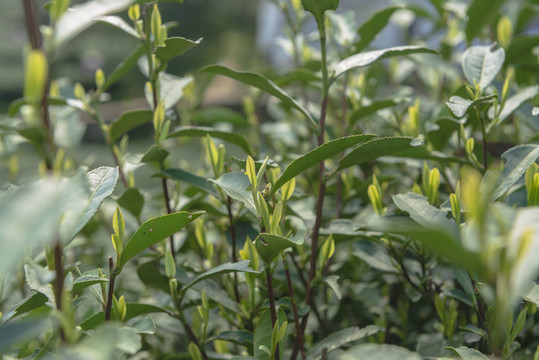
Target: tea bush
383, 205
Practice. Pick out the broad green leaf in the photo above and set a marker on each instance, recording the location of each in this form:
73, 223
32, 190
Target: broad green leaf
124, 67
13, 333
154, 154
375, 148
235, 185
154, 231
318, 8
372, 27
421, 152
317, 155
515, 101
481, 64
119, 23
517, 160
466, 353
152, 275
373, 107
332, 282
15, 105
200, 131
466, 283
102, 183
192, 179
129, 340
369, 57
218, 114
170, 89
530, 292
269, 246
521, 46
80, 17
241, 266
262, 334
31, 302
144, 325
128, 121
262, 83
379, 351
480, 13
341, 338
240, 337
374, 255
133, 310
425, 214
174, 46
460, 106
132, 200
87, 280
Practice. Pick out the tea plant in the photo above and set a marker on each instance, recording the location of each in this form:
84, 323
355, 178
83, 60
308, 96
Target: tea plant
386, 206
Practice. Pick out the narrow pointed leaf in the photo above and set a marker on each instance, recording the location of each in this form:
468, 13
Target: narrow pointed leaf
241, 266
481, 64
154, 231
269, 246
202, 131
128, 121
192, 179
315, 156
262, 83
124, 67
217, 114
263, 332
174, 46
517, 160
372, 27
235, 185
369, 57
374, 107
341, 338
87, 280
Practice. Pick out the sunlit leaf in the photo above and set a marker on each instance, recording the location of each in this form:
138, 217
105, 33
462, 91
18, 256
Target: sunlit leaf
128, 121
481, 64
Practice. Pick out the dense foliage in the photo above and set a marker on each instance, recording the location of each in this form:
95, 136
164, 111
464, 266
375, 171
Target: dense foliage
364, 204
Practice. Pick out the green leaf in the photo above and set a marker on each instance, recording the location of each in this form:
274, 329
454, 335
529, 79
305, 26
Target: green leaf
15, 105
119, 23
263, 332
240, 337
466, 283
375, 148
173, 47
374, 107
341, 338
128, 121
218, 114
480, 13
31, 302
132, 200
235, 185
481, 64
460, 106
372, 27
170, 89
315, 156
200, 131
269, 246
87, 280
521, 46
133, 310
13, 333
515, 101
517, 160
318, 7
369, 57
102, 183
240, 266
374, 255
154, 231
467, 353
81, 17
192, 179
530, 292
124, 67
379, 351
154, 154
144, 325
262, 83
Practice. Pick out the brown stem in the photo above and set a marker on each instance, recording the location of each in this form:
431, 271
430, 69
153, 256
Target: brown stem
294, 308
273, 310
190, 332
59, 281
169, 211
233, 240
111, 289
32, 24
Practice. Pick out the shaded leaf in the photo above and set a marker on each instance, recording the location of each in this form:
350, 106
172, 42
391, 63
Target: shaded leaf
132, 200
374, 107
31, 302
481, 64
124, 67
128, 121
318, 8
372, 27
241, 266
16, 105
480, 13
192, 179
200, 131
12, 333
153, 231
218, 114
517, 160
269, 246
530, 293
374, 255
515, 101
144, 325
369, 57
321, 153
87, 280
262, 334
154, 154
174, 46
466, 353
379, 351
262, 83
240, 337
341, 338
460, 106
133, 310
